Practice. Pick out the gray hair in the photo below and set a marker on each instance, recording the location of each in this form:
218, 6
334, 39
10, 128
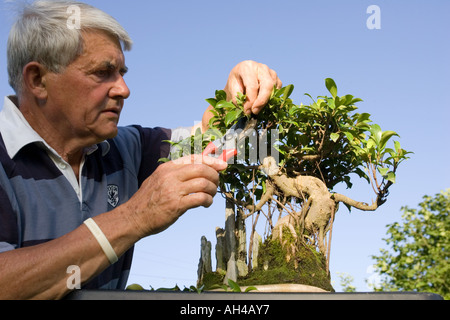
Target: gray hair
45, 32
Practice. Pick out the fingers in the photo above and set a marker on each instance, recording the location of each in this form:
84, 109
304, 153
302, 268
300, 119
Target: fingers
236, 86
252, 89
196, 171
256, 81
215, 163
173, 189
196, 200
201, 185
197, 175
268, 79
199, 193
199, 182
274, 76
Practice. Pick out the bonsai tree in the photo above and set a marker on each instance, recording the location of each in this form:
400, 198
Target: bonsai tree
304, 151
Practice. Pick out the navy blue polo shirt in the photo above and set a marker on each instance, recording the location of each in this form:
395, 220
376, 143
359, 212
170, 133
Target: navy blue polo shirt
41, 199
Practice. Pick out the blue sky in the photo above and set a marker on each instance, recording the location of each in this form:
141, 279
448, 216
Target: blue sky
184, 51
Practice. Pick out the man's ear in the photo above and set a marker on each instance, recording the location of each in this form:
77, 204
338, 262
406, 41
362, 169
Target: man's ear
34, 77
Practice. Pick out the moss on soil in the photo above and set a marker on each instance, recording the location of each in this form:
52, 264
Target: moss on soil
307, 267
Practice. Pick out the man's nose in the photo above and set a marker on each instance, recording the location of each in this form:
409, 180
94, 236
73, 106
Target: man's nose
120, 89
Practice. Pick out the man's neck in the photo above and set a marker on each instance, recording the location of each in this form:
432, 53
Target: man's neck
68, 148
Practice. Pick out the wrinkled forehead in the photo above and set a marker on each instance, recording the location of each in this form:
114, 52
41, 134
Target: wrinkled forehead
102, 48
95, 39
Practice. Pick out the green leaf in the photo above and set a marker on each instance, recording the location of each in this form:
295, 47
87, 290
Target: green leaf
362, 174
398, 147
363, 117
335, 136
385, 138
294, 109
225, 105
371, 144
391, 177
218, 286
176, 288
234, 286
232, 116
304, 140
376, 133
331, 104
135, 287
221, 95
349, 136
363, 126
212, 121
331, 86
288, 91
383, 171
212, 102
356, 100
308, 95
346, 100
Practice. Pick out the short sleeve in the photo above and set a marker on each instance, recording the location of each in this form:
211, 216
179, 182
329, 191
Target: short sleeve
154, 146
9, 238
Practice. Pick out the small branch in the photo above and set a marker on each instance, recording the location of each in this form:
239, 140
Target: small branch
307, 157
291, 213
356, 204
369, 168
264, 199
374, 173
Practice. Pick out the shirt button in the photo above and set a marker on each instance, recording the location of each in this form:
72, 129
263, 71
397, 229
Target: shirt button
62, 166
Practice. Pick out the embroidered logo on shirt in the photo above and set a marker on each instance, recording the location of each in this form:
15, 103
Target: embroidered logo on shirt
113, 195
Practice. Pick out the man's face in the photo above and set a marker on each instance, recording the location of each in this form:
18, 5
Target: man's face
86, 99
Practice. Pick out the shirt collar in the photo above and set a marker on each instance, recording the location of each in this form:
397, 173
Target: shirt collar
17, 132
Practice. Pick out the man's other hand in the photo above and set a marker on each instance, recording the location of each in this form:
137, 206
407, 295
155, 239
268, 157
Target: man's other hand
256, 81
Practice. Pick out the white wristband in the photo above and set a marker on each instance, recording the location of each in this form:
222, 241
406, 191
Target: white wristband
102, 240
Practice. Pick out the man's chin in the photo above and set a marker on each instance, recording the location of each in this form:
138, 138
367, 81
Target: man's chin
111, 133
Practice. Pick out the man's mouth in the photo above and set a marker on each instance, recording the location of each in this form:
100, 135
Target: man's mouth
113, 111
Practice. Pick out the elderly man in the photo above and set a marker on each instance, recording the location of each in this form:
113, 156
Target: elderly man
76, 189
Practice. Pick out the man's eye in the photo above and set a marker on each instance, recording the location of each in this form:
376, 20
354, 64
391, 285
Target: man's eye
102, 73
